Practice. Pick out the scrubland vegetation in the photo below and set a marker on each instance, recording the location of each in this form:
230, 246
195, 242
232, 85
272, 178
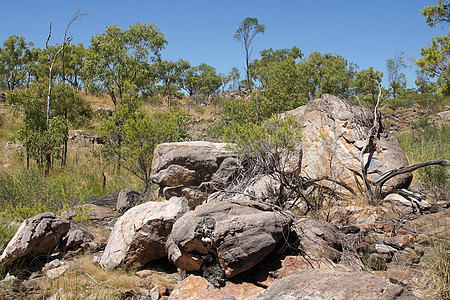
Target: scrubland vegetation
120, 91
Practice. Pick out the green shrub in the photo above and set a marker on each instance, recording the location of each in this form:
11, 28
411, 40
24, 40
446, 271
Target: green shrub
7, 230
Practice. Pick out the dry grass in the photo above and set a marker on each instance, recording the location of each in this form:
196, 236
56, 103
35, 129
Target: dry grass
87, 280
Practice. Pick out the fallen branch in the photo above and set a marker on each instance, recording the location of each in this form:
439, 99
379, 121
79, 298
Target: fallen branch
388, 175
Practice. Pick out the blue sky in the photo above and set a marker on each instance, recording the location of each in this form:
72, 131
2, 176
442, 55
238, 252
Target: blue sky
364, 32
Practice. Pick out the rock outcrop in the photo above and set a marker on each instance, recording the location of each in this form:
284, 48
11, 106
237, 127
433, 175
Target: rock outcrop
333, 134
236, 234
191, 169
37, 236
334, 284
139, 236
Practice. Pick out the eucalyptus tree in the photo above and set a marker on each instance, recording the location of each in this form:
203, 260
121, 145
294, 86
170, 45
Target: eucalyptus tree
435, 58
118, 59
202, 79
262, 68
326, 74
170, 75
366, 83
397, 80
247, 31
15, 60
235, 76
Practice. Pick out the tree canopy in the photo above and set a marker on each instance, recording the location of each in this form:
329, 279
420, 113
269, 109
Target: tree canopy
119, 59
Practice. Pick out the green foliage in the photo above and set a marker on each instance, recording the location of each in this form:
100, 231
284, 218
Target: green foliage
425, 143
170, 73
285, 91
247, 31
132, 136
235, 111
435, 57
7, 230
437, 14
119, 59
234, 77
40, 140
397, 80
274, 137
263, 69
326, 74
202, 79
366, 84
15, 61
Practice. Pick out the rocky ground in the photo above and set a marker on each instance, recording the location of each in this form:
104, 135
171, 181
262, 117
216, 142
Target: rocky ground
201, 241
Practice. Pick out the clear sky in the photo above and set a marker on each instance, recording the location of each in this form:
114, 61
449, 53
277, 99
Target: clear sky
362, 31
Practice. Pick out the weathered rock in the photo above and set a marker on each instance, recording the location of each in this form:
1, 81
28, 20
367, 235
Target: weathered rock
36, 236
199, 166
56, 272
404, 206
127, 198
318, 239
400, 241
237, 234
362, 217
196, 287
333, 135
139, 236
187, 163
76, 237
334, 284
427, 228
269, 273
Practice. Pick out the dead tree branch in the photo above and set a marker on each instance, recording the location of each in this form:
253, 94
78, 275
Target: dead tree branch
390, 174
369, 140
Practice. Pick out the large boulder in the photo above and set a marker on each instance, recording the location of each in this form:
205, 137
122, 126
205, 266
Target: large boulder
139, 236
191, 169
36, 236
333, 134
236, 234
334, 284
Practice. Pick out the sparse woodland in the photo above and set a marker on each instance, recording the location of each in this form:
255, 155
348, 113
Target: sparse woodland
144, 178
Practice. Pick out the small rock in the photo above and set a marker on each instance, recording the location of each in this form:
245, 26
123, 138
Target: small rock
127, 198
400, 241
55, 273
384, 249
53, 264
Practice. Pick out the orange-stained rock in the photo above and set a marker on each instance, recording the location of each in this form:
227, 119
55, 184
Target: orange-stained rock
196, 287
289, 265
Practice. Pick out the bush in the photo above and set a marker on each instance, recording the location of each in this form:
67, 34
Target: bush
7, 230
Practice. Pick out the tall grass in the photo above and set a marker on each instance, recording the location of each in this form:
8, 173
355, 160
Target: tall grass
27, 192
427, 142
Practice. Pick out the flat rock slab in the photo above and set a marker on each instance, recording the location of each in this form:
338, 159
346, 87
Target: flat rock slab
334, 284
196, 287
